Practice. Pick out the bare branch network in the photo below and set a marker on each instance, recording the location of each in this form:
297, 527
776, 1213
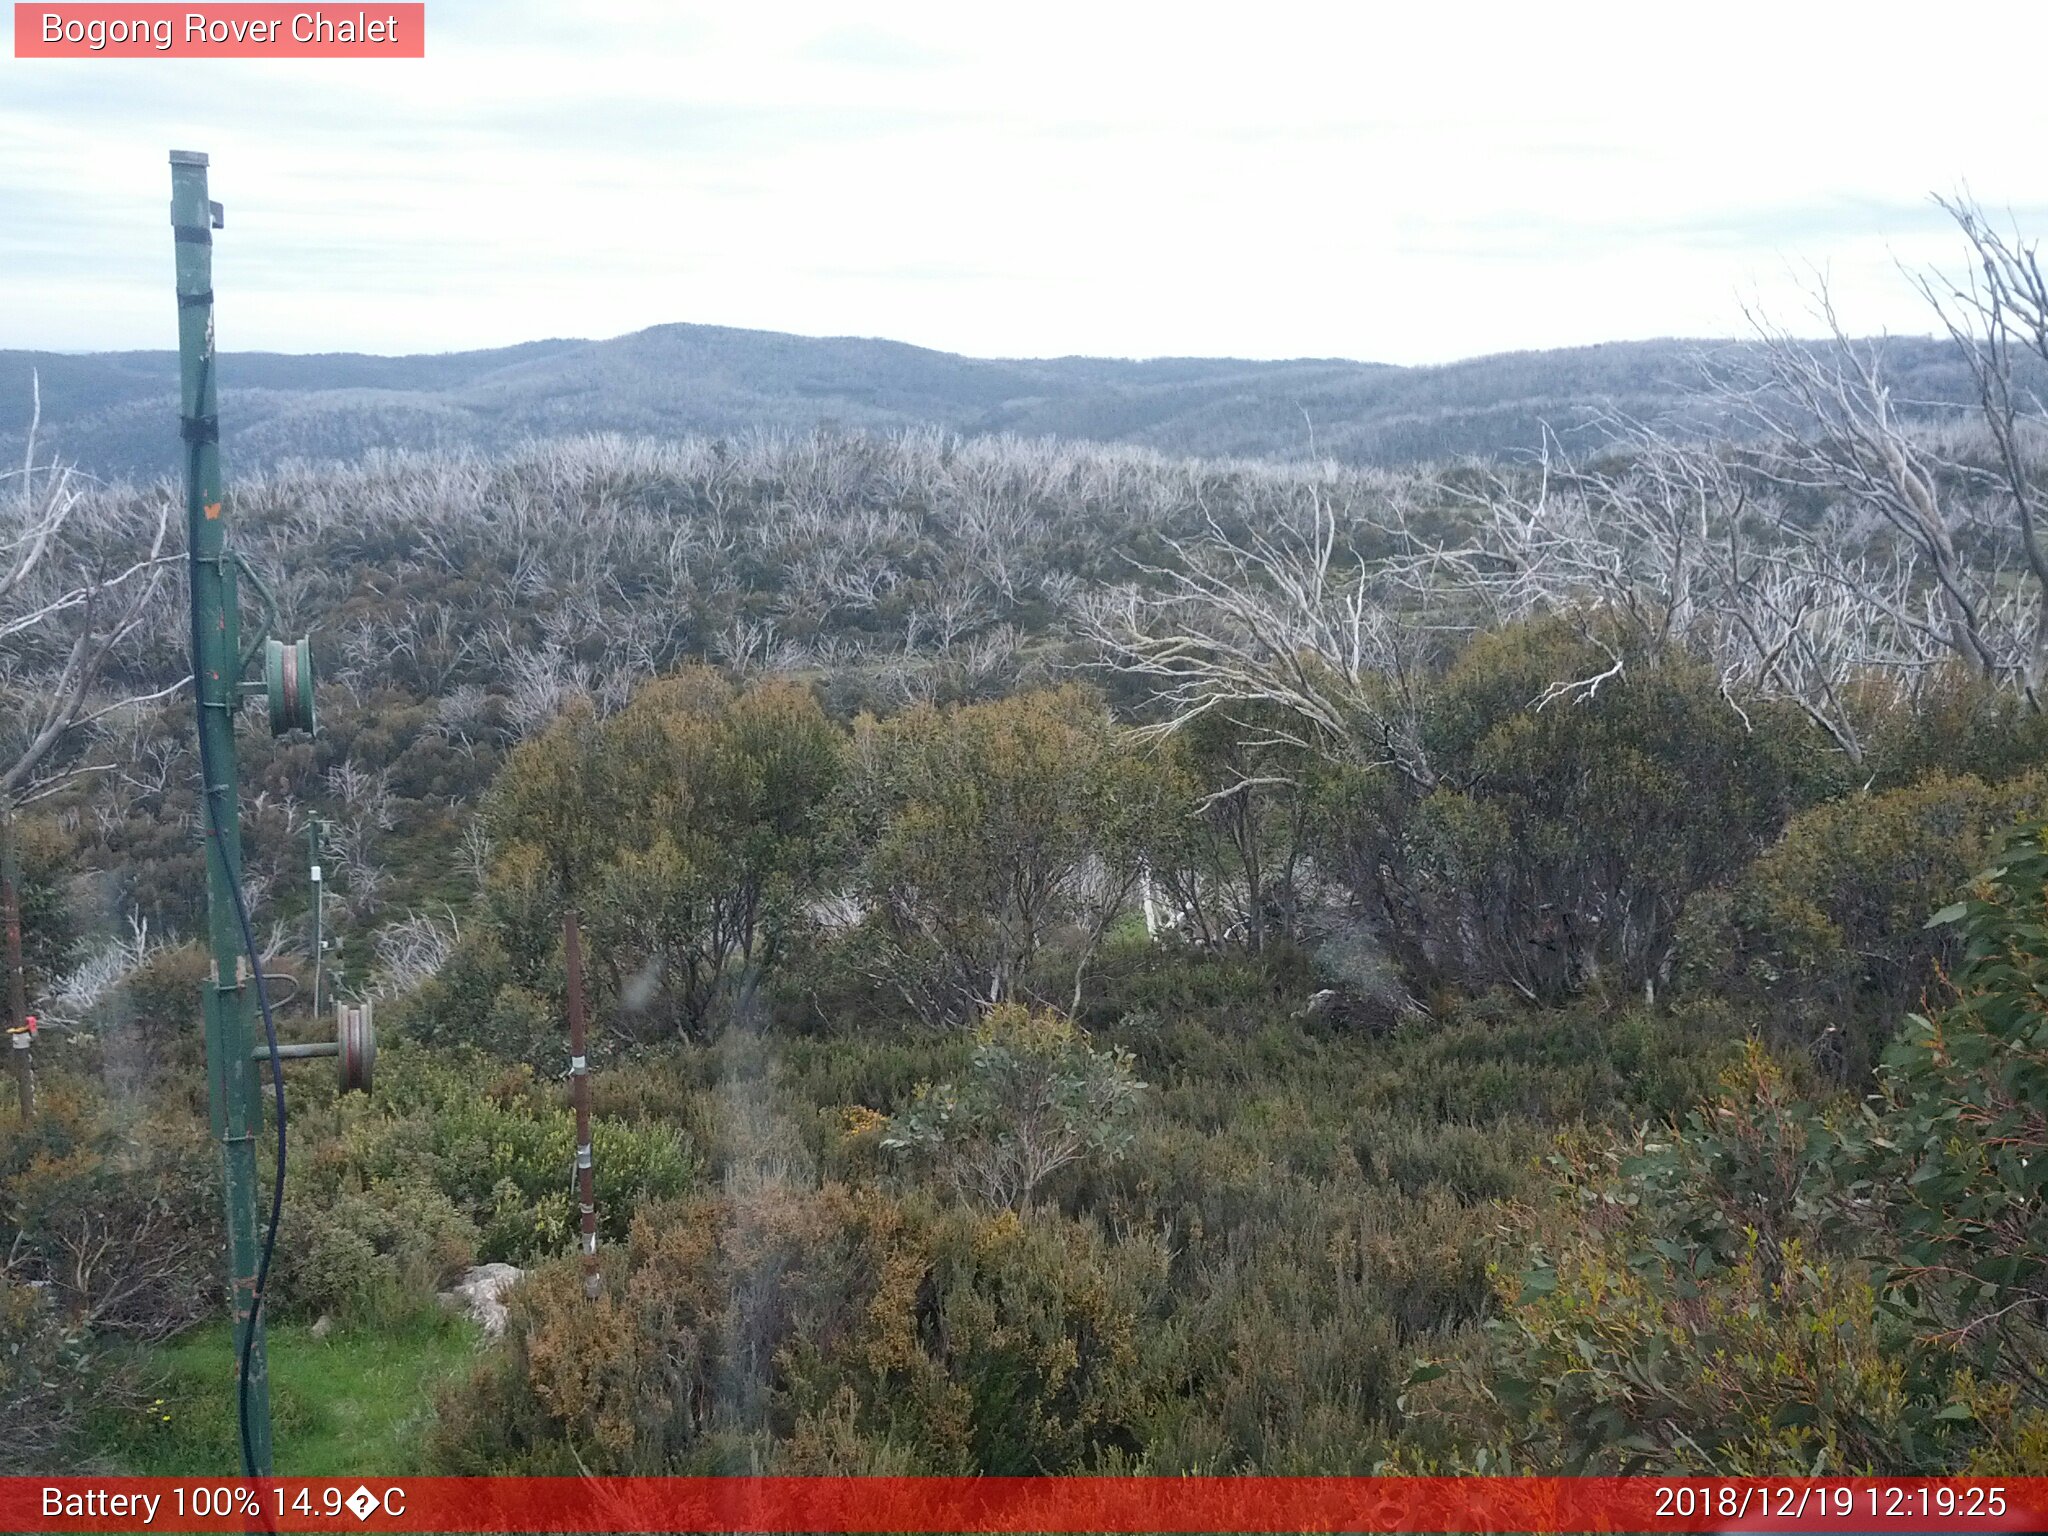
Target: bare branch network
80, 578
1845, 548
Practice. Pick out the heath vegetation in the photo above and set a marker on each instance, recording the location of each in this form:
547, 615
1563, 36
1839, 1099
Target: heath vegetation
1099, 961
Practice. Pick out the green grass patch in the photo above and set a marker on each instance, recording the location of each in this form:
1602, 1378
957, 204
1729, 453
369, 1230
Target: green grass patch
347, 1405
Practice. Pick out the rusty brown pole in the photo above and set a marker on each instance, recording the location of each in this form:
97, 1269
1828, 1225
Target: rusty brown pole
579, 1084
17, 983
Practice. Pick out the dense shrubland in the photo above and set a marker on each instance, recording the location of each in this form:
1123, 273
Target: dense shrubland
1779, 1284
872, 1204
1100, 962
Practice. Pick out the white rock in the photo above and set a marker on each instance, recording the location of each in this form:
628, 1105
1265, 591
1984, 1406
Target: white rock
478, 1293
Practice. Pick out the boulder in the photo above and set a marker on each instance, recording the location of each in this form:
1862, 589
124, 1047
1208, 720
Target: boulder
479, 1293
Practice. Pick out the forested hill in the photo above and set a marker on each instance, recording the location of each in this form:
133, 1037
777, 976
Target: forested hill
114, 414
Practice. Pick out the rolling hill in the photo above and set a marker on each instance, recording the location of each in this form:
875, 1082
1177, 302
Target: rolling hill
114, 413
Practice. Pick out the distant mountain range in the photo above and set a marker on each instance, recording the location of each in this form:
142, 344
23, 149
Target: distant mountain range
114, 413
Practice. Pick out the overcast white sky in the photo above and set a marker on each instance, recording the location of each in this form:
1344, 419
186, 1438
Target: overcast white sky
1399, 182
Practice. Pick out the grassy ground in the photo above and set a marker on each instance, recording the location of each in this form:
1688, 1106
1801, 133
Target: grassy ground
340, 1406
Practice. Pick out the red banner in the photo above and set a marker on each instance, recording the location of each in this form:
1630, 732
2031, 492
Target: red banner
1020, 1504
241, 31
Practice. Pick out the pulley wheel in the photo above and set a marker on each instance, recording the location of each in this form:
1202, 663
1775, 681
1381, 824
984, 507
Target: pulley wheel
357, 1038
288, 679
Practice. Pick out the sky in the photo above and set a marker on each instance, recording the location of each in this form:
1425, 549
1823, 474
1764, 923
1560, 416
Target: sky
1394, 182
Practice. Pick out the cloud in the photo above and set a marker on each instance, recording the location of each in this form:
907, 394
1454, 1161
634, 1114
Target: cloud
870, 48
1394, 184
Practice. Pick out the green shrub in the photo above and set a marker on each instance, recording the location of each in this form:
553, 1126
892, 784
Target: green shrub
1559, 836
1956, 726
1956, 1150
1036, 1097
476, 1000
497, 1145
1173, 983
998, 829
49, 1381
1602, 1365
855, 1331
49, 928
1680, 1311
373, 1255
1828, 929
1785, 1286
145, 1025
114, 1211
692, 828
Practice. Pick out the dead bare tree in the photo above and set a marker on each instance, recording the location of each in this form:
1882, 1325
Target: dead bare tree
1997, 316
1284, 633
1662, 544
1830, 425
77, 582
78, 578
412, 950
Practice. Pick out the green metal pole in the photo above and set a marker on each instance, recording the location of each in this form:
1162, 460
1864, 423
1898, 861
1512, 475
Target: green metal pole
216, 674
